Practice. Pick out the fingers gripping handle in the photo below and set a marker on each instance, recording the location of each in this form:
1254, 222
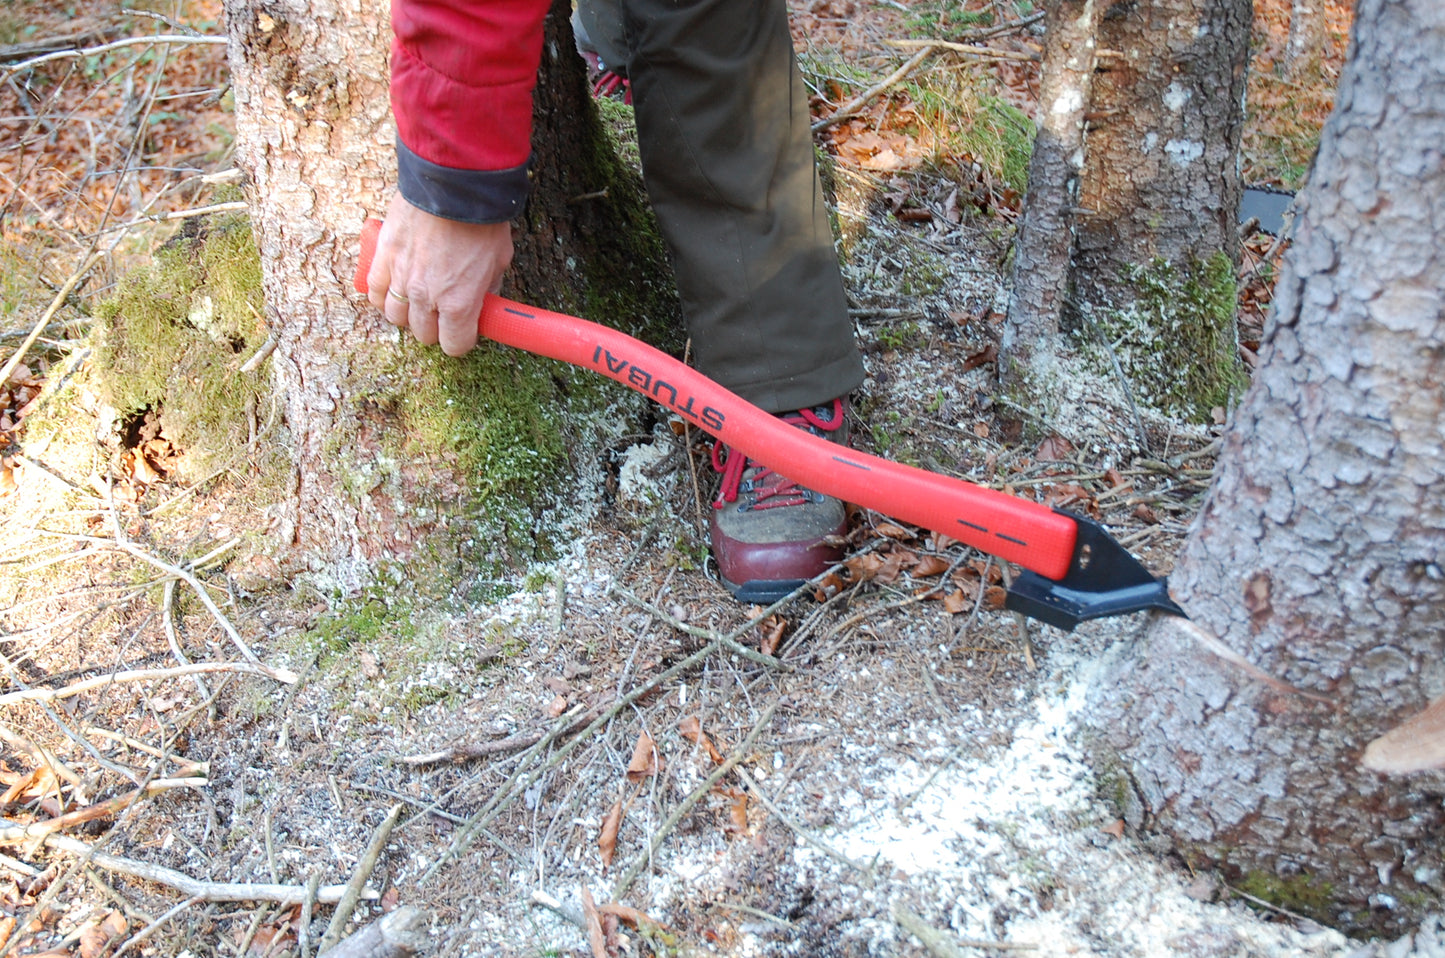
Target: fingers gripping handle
1014, 529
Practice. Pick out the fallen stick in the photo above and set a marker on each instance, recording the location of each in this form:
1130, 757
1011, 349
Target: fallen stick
850, 109
107, 47
509, 791
397, 934
752, 655
738, 755
194, 887
987, 53
944, 946
865, 870
56, 302
145, 675
14, 834
364, 868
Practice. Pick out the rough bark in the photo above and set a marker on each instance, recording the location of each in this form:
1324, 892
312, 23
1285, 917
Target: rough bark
314, 136
1318, 554
1129, 224
1159, 177
1044, 241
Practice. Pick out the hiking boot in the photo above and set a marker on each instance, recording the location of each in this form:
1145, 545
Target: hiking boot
769, 534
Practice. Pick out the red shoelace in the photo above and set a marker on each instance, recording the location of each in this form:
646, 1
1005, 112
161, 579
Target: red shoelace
767, 489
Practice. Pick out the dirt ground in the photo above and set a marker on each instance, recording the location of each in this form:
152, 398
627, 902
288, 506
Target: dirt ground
609, 744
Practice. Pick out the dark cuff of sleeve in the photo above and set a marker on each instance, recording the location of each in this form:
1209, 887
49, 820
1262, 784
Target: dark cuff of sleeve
468, 196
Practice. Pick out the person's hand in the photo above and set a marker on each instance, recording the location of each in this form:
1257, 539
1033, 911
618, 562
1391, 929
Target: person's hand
430, 274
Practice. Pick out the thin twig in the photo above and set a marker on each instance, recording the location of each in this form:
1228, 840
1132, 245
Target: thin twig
113, 45
943, 945
55, 303
16, 834
233, 206
752, 655
987, 53
168, 598
1084, 314
739, 754
864, 870
145, 675
151, 929
853, 106
347, 905
185, 576
203, 890
303, 936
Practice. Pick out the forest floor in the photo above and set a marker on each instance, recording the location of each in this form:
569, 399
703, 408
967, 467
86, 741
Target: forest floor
612, 746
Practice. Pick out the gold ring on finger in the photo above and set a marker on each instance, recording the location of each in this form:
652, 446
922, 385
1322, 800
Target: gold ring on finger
397, 296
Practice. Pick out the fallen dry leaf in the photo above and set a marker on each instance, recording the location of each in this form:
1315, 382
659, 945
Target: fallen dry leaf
1144, 513
737, 810
955, 602
864, 567
95, 939
829, 587
1116, 829
985, 355
370, 665
771, 633
596, 938
892, 566
1055, 447
645, 761
930, 565
691, 729
630, 916
557, 706
607, 841
893, 531
980, 429
390, 899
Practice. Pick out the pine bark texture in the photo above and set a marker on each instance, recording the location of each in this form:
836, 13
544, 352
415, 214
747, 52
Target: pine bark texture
1319, 551
1160, 178
315, 137
313, 130
1044, 240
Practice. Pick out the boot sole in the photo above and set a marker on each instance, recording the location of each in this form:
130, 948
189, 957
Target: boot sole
763, 591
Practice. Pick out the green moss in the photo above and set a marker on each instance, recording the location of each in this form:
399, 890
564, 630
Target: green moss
1300, 893
388, 650
1177, 342
900, 335
174, 337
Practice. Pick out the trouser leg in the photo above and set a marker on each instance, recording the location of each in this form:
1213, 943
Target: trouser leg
727, 155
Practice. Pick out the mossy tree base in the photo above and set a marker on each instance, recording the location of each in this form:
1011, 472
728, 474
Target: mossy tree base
1176, 341
402, 454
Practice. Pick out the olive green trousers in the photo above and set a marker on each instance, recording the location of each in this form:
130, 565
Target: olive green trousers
727, 156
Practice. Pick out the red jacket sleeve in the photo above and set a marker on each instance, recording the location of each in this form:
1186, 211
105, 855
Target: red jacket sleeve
462, 74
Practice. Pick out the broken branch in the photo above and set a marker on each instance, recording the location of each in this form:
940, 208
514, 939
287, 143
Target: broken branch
145, 675
193, 887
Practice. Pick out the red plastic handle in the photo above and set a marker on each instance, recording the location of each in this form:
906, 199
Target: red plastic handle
1018, 530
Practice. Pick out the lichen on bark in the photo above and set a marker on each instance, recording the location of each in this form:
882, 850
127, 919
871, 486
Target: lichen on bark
1176, 340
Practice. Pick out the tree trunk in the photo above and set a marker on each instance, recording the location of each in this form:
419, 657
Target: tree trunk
1157, 246
1129, 225
1318, 554
399, 451
1044, 241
